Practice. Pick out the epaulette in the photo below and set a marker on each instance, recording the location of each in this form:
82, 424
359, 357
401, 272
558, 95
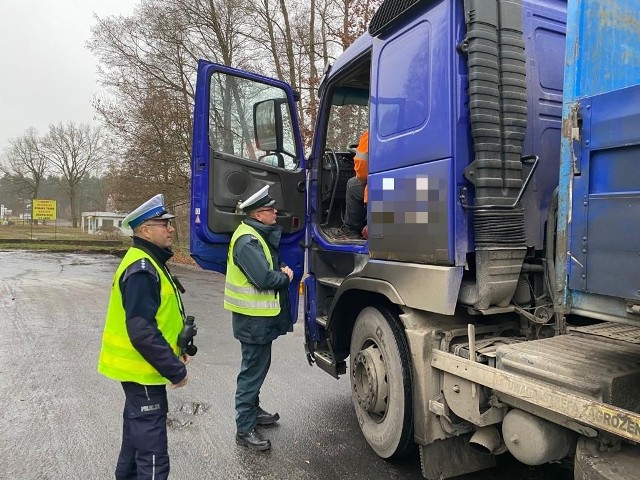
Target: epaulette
142, 265
247, 238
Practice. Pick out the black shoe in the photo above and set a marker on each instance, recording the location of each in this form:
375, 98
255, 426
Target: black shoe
344, 233
252, 440
266, 418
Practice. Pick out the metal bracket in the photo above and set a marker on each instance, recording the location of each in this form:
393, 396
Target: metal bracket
463, 398
464, 198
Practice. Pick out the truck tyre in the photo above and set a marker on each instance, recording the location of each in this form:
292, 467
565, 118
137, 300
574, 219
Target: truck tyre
381, 382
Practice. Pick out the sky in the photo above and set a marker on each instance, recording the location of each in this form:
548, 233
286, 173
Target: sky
47, 75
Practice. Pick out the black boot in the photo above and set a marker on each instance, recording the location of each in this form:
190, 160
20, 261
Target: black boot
344, 233
252, 440
266, 418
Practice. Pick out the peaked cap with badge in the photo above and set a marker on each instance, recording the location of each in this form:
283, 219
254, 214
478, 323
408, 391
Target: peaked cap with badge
259, 199
152, 208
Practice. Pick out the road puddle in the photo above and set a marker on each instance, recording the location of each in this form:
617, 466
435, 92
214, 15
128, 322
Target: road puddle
183, 416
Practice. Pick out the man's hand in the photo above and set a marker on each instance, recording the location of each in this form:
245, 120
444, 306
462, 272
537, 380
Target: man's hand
182, 383
288, 271
185, 359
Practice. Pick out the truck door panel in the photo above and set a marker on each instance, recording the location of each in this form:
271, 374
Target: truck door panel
236, 151
234, 178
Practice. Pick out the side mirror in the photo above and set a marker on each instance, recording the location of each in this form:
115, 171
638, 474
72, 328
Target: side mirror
267, 121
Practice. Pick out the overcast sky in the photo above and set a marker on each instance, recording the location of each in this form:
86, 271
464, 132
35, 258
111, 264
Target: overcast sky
47, 75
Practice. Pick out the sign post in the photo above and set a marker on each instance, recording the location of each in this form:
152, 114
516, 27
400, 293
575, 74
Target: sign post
44, 210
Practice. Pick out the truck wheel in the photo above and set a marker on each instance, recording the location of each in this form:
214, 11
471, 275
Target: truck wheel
381, 382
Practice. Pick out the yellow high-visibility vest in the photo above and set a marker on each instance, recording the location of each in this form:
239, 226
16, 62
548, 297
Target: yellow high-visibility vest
239, 294
119, 360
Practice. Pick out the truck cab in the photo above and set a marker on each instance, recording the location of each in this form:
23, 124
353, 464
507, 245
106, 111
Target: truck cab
451, 318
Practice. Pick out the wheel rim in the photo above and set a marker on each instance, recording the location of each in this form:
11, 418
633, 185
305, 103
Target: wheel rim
370, 384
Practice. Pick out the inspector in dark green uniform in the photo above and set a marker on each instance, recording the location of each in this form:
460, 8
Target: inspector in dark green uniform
256, 292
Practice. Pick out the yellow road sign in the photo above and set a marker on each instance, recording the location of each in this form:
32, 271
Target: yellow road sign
43, 209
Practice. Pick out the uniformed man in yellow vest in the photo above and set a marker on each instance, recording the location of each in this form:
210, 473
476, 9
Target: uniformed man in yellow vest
256, 292
139, 343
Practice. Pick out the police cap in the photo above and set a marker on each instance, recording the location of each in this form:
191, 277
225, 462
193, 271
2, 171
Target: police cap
152, 208
259, 199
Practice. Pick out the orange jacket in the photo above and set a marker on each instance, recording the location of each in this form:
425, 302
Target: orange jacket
361, 161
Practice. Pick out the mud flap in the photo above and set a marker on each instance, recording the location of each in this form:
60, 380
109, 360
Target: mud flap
452, 457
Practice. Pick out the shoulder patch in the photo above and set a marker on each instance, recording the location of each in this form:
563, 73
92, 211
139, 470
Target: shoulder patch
142, 265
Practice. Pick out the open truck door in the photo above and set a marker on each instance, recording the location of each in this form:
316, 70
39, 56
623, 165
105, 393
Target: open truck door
245, 136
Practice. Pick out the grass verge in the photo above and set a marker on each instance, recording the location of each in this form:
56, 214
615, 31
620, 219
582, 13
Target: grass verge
52, 238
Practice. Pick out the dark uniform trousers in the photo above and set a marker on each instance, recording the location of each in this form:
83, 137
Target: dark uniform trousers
256, 359
144, 452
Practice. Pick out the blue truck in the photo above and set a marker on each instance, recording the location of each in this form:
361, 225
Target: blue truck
494, 305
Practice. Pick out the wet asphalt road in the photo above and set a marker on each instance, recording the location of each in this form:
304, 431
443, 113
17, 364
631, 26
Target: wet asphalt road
60, 419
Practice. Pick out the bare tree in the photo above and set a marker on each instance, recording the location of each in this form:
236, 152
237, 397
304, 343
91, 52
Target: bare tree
24, 162
141, 56
73, 150
301, 44
148, 65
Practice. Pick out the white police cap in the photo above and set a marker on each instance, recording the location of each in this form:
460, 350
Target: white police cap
152, 208
259, 199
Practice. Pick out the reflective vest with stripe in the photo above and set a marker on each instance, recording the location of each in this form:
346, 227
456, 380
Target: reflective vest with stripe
239, 294
119, 360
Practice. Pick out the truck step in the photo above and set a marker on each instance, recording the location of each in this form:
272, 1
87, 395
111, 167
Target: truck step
327, 362
322, 321
615, 331
334, 282
605, 369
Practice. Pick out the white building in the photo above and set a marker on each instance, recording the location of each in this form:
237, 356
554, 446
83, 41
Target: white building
97, 222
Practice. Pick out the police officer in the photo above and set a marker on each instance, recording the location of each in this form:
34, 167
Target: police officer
139, 344
256, 292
